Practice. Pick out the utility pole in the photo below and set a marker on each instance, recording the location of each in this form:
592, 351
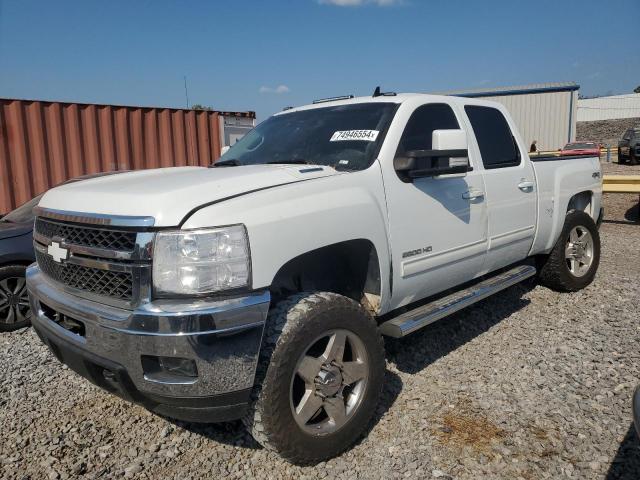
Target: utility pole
186, 92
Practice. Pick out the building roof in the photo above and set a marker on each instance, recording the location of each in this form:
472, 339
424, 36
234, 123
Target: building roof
248, 114
549, 87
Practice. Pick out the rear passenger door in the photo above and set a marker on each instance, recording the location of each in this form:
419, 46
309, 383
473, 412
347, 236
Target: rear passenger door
510, 187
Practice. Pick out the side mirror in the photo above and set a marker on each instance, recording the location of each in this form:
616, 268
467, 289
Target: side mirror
449, 156
224, 150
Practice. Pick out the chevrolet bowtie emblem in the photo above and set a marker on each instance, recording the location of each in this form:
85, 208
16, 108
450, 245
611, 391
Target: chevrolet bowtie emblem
57, 252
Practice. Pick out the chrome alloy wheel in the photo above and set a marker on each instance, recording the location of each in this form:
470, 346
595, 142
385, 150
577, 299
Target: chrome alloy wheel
329, 382
579, 251
14, 300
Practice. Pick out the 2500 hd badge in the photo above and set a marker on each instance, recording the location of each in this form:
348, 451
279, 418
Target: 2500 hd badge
413, 253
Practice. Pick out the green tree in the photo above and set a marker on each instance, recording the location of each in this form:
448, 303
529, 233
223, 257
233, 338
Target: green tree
197, 106
637, 89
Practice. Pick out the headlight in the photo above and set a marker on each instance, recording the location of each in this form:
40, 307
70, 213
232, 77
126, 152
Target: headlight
194, 262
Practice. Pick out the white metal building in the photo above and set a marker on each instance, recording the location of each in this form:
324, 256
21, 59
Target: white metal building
609, 108
545, 112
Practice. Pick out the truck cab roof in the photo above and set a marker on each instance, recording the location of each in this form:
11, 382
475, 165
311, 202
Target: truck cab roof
398, 98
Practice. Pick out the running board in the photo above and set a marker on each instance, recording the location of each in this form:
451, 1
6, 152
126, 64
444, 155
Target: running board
413, 320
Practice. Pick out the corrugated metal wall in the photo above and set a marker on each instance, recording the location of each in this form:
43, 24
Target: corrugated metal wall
45, 143
548, 117
609, 108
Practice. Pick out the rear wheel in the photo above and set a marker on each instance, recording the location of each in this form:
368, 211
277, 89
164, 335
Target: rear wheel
573, 262
319, 378
15, 312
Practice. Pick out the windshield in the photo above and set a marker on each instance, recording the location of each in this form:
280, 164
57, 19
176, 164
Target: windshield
346, 137
23, 213
580, 146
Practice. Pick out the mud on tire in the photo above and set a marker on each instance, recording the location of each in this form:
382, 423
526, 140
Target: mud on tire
555, 269
292, 328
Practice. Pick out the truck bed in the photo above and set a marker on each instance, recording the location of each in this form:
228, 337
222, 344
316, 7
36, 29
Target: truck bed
558, 178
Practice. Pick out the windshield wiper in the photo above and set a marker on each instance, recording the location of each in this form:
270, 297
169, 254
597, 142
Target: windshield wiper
292, 161
232, 162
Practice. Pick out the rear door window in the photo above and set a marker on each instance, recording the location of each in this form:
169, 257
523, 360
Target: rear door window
495, 140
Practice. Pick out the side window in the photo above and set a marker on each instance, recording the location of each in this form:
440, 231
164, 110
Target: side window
627, 135
424, 120
497, 145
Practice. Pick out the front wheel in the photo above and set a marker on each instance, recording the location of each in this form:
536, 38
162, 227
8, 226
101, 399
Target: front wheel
573, 262
15, 312
319, 378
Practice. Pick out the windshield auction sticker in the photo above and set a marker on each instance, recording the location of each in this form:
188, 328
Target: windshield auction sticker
350, 135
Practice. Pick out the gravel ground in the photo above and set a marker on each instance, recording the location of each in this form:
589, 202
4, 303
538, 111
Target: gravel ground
531, 384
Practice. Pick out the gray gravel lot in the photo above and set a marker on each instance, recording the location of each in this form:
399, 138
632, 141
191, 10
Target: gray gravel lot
530, 384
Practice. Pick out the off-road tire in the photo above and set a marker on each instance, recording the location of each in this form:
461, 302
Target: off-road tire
12, 271
292, 324
621, 159
554, 271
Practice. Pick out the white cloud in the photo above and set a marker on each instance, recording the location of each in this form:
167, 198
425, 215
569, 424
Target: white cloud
280, 89
358, 3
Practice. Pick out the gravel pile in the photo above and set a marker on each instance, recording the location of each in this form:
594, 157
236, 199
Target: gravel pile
531, 384
607, 132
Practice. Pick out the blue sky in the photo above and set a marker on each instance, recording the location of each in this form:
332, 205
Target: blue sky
264, 55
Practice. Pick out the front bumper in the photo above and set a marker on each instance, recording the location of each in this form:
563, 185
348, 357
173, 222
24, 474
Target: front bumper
107, 346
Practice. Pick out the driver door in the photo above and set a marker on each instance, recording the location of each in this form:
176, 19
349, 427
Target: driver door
438, 225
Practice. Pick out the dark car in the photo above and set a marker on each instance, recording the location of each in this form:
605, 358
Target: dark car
629, 147
636, 410
16, 253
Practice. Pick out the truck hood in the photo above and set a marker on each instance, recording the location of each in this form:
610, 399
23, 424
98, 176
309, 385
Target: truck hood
168, 194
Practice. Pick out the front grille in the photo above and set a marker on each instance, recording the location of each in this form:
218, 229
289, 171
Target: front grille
118, 285
87, 236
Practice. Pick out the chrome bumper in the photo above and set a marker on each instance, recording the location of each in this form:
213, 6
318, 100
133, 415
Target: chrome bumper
222, 337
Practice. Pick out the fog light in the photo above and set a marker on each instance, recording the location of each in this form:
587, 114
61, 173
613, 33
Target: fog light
178, 366
167, 368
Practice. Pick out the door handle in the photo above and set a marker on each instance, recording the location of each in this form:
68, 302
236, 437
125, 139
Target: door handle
525, 185
472, 194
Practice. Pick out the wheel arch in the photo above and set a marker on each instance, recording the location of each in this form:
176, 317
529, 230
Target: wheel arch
582, 201
22, 262
350, 268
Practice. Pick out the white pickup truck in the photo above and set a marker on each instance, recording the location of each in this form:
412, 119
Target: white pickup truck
261, 288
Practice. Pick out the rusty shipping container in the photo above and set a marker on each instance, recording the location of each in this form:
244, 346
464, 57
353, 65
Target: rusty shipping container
45, 143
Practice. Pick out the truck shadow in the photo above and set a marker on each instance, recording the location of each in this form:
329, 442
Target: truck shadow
626, 464
419, 350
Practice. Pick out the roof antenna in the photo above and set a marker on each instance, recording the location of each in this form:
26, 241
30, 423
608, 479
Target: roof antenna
378, 93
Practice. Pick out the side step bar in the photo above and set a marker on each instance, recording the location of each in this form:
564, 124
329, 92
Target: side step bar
413, 320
